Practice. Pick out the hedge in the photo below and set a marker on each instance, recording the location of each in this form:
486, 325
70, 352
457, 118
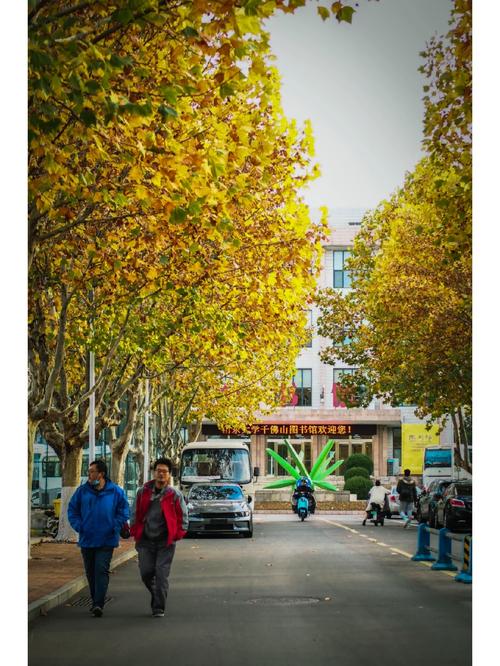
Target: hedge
359, 460
356, 471
358, 485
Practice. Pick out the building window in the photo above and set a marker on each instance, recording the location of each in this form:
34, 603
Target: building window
341, 276
310, 329
337, 379
51, 467
302, 383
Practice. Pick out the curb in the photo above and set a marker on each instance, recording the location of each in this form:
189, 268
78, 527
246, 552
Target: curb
44, 604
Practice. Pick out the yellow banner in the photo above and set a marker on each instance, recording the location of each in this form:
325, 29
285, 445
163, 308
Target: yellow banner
414, 438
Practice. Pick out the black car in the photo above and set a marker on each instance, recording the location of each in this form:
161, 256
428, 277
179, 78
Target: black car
426, 509
454, 508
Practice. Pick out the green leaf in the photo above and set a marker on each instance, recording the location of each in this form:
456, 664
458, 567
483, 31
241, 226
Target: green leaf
297, 460
284, 463
321, 457
170, 94
345, 14
123, 16
281, 484
92, 86
190, 32
324, 13
167, 111
226, 90
326, 486
324, 473
88, 117
178, 215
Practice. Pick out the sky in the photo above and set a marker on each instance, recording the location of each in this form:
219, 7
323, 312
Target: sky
359, 85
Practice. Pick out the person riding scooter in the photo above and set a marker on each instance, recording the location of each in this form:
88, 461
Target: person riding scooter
377, 496
304, 488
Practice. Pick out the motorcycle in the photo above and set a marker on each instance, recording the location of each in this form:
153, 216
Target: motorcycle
303, 507
303, 502
52, 525
375, 515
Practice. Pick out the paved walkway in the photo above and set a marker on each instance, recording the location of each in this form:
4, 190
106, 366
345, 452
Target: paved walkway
55, 572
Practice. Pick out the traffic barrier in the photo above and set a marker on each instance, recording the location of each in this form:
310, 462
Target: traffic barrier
444, 562
465, 576
423, 553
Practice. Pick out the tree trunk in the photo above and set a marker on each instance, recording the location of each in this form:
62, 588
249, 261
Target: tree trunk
32, 428
70, 481
118, 458
194, 431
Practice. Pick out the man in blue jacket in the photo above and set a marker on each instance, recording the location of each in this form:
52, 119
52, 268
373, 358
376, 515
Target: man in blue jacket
97, 511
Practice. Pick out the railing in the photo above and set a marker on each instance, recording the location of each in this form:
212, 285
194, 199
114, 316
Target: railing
444, 561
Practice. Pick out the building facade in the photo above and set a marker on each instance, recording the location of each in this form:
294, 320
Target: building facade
316, 413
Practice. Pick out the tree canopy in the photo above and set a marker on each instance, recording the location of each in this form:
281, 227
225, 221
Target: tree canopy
406, 325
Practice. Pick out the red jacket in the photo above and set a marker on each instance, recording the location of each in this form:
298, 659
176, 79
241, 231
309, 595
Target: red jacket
174, 509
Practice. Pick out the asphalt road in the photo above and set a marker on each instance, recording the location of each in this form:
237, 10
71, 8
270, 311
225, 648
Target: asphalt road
326, 591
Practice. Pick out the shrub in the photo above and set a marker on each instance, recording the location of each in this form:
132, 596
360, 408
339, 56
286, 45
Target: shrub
359, 460
358, 485
356, 471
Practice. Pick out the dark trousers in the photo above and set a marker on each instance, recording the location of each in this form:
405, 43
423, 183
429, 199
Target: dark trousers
96, 562
155, 560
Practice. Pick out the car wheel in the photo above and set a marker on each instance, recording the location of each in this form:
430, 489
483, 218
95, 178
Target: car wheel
448, 521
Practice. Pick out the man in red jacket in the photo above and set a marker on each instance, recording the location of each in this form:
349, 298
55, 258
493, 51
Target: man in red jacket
160, 519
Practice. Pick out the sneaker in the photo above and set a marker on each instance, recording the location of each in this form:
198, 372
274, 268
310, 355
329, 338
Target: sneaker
407, 522
97, 611
158, 613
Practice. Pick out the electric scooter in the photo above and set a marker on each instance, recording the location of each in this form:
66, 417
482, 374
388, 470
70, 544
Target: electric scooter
375, 515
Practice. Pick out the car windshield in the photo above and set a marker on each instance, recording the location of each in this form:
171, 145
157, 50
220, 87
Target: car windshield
225, 464
216, 493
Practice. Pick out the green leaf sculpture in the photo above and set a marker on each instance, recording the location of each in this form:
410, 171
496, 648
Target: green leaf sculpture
320, 470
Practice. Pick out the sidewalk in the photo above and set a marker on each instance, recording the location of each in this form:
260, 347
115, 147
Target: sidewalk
55, 572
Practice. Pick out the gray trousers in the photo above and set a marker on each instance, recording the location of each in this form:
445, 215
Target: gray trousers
155, 560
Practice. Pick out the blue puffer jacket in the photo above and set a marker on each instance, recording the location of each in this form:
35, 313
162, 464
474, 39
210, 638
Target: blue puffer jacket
98, 515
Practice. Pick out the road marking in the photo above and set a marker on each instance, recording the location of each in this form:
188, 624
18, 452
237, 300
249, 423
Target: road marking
402, 552
395, 551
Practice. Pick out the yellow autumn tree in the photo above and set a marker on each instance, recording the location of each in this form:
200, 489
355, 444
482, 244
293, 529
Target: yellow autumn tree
407, 324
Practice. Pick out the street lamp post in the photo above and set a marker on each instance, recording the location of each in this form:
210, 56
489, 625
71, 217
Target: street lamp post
91, 408
146, 434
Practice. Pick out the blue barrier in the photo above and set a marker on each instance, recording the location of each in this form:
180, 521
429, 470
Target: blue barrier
423, 553
465, 576
444, 562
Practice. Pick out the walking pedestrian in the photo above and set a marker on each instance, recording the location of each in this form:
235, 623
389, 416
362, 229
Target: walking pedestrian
97, 511
160, 520
407, 489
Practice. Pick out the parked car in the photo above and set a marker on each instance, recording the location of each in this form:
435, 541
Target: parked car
219, 507
454, 508
426, 509
393, 499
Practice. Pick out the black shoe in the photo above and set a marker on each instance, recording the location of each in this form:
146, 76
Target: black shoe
364, 522
97, 611
157, 612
